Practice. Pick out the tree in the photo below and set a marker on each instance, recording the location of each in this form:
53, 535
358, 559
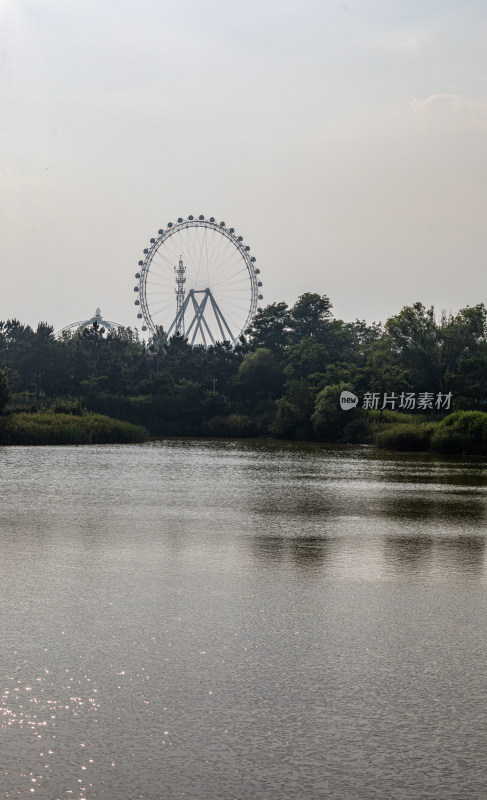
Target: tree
310, 316
306, 357
328, 419
294, 410
43, 364
260, 375
4, 389
463, 342
15, 349
383, 371
270, 328
414, 340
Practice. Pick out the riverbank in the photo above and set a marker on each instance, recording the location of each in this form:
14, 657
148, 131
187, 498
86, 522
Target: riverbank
49, 427
461, 432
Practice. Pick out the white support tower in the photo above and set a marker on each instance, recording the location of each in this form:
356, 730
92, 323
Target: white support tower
180, 281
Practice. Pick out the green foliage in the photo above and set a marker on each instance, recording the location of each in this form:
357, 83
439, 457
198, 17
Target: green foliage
461, 432
160, 414
464, 354
260, 375
287, 420
358, 430
67, 407
310, 317
405, 436
413, 338
381, 369
294, 409
388, 416
286, 377
328, 419
4, 389
234, 426
270, 328
51, 428
305, 358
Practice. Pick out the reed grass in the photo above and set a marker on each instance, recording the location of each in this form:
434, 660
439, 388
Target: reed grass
49, 427
405, 436
463, 432
233, 426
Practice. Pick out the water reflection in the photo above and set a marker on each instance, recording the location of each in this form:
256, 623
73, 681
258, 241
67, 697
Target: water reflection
310, 613
300, 499
415, 469
457, 555
303, 551
466, 552
453, 506
437, 557
309, 551
407, 552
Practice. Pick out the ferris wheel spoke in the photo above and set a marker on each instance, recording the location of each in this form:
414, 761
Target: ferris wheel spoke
228, 279
201, 254
220, 254
161, 301
160, 297
226, 288
227, 268
219, 263
160, 286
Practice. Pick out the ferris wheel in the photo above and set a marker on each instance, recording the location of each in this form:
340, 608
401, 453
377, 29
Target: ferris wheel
198, 280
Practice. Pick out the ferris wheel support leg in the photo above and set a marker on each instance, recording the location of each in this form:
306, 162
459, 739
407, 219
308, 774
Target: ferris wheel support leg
198, 324
218, 314
217, 317
177, 319
199, 315
197, 308
200, 318
203, 320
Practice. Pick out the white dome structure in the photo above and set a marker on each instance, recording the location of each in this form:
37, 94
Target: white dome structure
95, 322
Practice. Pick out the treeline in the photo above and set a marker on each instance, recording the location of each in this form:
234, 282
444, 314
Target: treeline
283, 379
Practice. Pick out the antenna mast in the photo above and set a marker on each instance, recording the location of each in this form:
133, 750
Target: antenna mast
180, 281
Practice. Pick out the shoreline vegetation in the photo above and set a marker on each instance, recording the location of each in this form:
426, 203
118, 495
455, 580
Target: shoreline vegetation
282, 380
459, 433
50, 427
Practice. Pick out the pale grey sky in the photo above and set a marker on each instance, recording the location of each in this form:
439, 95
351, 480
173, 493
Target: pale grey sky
345, 140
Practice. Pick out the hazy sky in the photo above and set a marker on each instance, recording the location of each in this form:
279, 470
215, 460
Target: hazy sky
346, 141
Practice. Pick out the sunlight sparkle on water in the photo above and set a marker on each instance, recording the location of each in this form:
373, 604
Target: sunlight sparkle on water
315, 599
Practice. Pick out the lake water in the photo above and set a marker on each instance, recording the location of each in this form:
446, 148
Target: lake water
237, 620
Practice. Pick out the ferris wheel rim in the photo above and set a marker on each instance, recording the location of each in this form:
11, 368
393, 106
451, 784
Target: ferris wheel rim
251, 279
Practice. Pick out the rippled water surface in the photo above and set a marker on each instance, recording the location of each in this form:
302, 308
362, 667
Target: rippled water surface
240, 620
